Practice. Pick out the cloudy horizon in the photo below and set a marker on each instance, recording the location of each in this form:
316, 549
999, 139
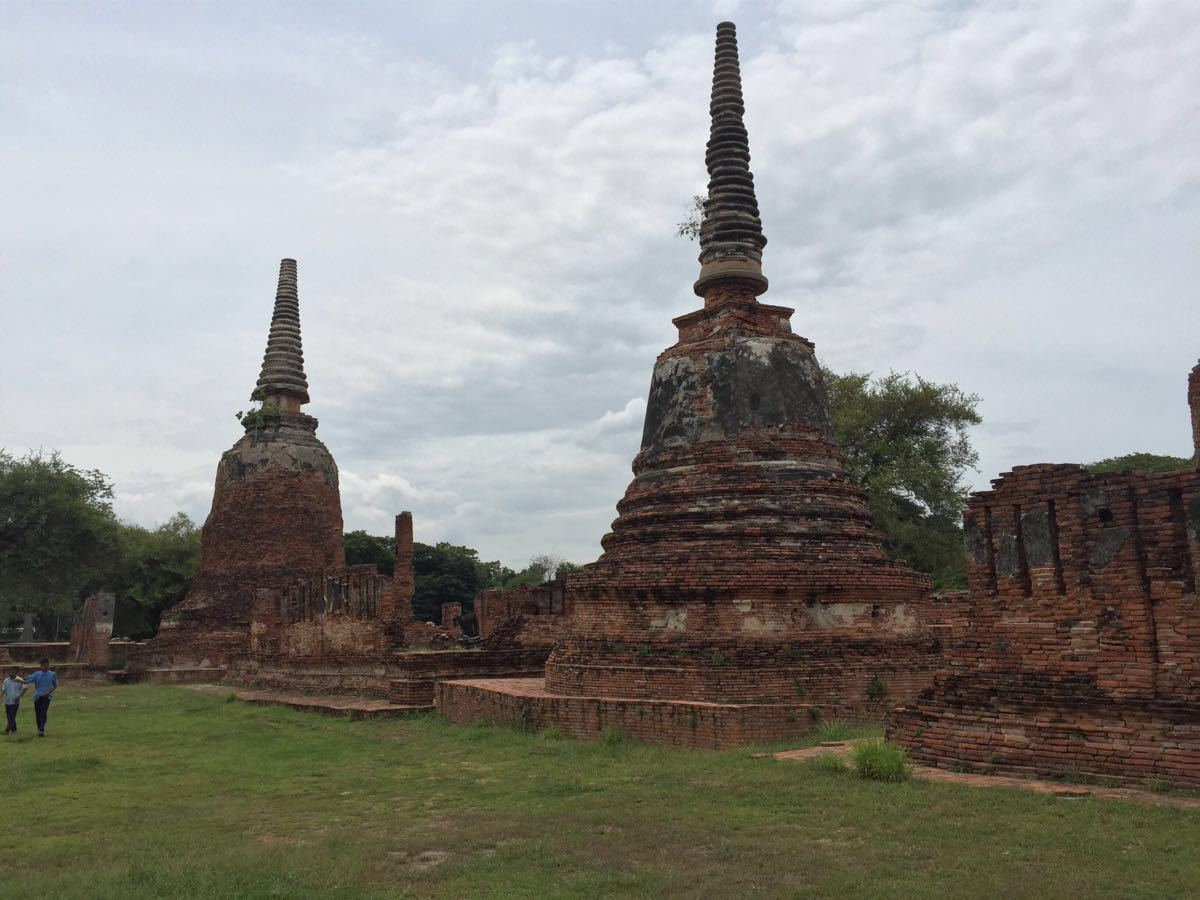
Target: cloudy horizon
482, 199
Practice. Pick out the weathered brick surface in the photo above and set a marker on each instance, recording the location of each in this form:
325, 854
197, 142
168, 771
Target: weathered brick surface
526, 703
743, 565
276, 516
743, 569
1194, 405
1079, 646
527, 616
91, 632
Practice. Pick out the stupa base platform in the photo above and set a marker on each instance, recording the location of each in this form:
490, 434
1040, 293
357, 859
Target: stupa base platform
527, 704
349, 707
1125, 741
180, 675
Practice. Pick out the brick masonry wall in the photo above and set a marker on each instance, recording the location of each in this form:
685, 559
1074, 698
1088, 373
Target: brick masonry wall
1194, 405
1079, 645
276, 516
91, 633
402, 677
523, 704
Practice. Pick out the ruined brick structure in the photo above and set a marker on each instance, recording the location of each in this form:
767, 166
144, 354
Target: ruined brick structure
1078, 648
276, 514
527, 616
744, 592
91, 632
1194, 405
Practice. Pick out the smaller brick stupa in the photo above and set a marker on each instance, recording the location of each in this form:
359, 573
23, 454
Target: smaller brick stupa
744, 592
276, 514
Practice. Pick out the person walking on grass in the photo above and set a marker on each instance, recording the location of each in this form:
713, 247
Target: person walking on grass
14, 687
44, 682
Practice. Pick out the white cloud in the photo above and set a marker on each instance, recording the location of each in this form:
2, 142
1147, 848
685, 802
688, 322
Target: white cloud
1004, 196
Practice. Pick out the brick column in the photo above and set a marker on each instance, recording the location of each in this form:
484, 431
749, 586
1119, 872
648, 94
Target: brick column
1194, 403
400, 600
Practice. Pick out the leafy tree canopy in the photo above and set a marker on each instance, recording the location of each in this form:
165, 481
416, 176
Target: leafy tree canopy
152, 571
905, 441
57, 532
364, 549
1141, 462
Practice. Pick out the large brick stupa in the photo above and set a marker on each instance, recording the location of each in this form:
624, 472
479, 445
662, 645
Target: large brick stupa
744, 592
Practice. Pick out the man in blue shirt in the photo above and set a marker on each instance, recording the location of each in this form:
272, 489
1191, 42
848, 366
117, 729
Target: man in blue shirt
14, 687
44, 684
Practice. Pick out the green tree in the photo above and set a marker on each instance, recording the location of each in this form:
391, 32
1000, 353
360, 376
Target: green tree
905, 441
1141, 462
57, 532
494, 574
362, 549
444, 573
153, 570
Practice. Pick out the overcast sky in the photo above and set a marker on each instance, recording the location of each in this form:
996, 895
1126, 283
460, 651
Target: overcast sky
483, 199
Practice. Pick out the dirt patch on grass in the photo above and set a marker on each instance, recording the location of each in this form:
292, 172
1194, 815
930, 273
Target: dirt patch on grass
280, 840
416, 863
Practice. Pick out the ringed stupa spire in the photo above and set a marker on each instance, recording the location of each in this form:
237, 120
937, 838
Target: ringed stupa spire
282, 378
731, 235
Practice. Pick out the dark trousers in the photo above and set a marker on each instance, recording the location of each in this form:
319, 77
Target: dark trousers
10, 710
40, 706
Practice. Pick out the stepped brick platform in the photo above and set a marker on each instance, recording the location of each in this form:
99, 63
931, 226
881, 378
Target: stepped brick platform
526, 703
196, 675
276, 512
743, 572
349, 707
843, 749
1078, 648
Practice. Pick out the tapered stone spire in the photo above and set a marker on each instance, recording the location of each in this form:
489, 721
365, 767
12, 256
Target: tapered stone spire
282, 378
731, 236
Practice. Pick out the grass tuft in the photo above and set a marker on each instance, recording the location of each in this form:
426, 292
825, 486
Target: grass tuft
880, 760
832, 731
831, 763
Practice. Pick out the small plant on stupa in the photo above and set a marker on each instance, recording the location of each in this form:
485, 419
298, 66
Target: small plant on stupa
256, 416
876, 689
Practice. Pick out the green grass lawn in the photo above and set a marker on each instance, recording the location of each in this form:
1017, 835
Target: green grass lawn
156, 791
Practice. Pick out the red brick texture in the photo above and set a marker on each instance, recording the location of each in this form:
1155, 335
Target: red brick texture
743, 567
1079, 647
91, 633
276, 516
1194, 405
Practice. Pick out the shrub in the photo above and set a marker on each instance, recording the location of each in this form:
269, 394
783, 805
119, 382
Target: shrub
814, 713
612, 736
799, 683
876, 689
1072, 774
880, 761
833, 731
1156, 785
553, 733
230, 696
718, 658
831, 763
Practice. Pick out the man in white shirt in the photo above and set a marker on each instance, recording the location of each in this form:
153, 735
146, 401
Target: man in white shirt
14, 686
